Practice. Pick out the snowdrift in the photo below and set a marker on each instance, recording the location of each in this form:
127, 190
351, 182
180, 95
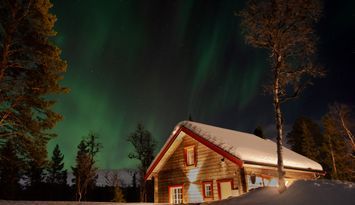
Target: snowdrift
302, 192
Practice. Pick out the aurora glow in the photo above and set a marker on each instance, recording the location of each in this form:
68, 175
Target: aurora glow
156, 62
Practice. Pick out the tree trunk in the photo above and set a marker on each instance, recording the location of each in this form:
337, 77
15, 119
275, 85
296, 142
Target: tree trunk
347, 131
78, 189
278, 120
333, 158
143, 194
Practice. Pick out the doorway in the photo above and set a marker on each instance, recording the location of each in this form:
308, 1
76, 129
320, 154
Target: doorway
225, 188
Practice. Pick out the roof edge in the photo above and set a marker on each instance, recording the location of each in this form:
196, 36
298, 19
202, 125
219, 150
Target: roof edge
181, 128
162, 152
286, 167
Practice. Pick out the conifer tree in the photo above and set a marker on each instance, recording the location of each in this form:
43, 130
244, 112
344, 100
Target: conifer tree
30, 70
56, 173
304, 137
286, 30
259, 132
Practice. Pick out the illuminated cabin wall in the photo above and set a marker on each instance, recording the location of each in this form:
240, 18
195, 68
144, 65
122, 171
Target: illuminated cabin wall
270, 175
209, 168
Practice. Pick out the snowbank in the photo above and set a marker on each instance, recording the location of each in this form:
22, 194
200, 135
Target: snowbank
324, 192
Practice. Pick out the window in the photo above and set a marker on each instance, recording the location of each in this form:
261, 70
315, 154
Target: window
255, 181
190, 156
207, 188
175, 194
225, 188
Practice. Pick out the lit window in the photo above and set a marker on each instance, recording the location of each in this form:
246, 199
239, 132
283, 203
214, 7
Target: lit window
190, 155
175, 194
207, 189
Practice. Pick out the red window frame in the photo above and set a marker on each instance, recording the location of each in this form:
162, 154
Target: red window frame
195, 155
182, 192
219, 185
204, 191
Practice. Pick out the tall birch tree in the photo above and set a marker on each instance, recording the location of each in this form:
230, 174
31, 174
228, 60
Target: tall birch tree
286, 30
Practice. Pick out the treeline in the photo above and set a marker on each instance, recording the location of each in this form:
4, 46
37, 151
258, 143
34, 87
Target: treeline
330, 142
22, 179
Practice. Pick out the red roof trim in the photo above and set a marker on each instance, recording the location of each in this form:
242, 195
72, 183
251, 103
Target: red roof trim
212, 146
157, 160
198, 138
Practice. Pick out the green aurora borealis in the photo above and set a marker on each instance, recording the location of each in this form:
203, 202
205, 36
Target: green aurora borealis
156, 62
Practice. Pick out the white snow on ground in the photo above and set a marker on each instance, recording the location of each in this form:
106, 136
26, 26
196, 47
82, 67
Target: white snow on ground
322, 192
249, 147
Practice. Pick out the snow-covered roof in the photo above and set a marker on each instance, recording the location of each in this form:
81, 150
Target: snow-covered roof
249, 147
244, 146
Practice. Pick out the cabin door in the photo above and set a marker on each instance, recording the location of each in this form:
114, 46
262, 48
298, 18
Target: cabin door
225, 189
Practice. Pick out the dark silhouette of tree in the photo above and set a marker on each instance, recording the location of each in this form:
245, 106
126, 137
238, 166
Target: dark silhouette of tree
259, 132
144, 147
36, 163
304, 137
285, 29
190, 118
56, 173
134, 179
10, 171
85, 169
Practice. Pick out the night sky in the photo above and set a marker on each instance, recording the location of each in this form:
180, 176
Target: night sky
157, 62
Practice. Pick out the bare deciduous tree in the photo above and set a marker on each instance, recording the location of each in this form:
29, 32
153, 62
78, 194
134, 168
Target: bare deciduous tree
85, 170
144, 146
285, 29
340, 113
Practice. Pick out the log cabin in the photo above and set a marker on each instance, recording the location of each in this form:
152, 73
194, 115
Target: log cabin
202, 163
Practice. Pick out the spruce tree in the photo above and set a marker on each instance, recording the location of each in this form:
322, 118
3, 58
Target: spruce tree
305, 138
56, 173
259, 132
309, 147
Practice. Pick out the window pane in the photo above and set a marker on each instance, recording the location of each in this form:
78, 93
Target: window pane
176, 195
208, 190
190, 156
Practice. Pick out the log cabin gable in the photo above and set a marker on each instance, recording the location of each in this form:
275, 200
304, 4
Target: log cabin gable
175, 140
198, 180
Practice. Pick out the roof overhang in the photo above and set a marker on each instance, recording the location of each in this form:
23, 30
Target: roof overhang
174, 140
286, 168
